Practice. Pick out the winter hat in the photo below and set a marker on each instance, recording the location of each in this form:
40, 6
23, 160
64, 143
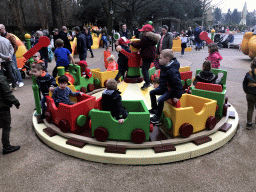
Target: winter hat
123, 40
147, 28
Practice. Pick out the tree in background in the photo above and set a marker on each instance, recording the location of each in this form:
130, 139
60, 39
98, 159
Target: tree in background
235, 17
228, 17
217, 15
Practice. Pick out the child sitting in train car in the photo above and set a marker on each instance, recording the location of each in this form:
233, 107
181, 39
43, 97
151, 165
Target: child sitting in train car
206, 75
214, 55
107, 54
45, 82
112, 101
61, 56
112, 65
170, 86
85, 71
62, 92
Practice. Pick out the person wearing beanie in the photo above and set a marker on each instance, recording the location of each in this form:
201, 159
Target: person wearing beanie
112, 101
249, 87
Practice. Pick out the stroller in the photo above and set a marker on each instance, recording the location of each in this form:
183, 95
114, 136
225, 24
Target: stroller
219, 39
25, 69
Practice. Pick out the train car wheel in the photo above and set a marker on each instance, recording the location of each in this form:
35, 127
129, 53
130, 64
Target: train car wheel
64, 126
83, 89
90, 124
225, 110
101, 134
48, 116
90, 87
138, 136
211, 122
186, 130
217, 107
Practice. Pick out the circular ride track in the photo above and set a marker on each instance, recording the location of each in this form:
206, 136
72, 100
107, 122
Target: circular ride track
160, 149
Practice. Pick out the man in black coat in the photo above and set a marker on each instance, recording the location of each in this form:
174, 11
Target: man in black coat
81, 44
63, 35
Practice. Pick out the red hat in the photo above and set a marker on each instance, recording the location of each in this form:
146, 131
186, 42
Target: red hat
123, 40
147, 28
82, 63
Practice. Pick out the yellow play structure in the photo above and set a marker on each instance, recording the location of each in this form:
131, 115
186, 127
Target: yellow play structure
20, 52
177, 45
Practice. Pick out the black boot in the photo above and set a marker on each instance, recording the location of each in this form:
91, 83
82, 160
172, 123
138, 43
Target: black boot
10, 149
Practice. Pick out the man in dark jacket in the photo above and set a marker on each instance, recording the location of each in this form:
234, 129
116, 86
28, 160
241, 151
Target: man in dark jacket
166, 40
147, 52
63, 35
89, 41
81, 44
170, 86
6, 102
125, 32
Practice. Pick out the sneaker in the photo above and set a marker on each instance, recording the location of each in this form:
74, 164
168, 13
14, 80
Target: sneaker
249, 126
14, 88
152, 111
154, 119
21, 84
145, 86
10, 149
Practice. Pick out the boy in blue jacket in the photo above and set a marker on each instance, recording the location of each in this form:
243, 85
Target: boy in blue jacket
170, 86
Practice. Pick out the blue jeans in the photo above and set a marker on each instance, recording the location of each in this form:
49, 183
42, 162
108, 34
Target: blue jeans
82, 56
16, 71
198, 44
145, 68
43, 106
165, 96
182, 51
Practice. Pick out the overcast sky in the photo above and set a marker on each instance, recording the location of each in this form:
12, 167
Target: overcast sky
234, 4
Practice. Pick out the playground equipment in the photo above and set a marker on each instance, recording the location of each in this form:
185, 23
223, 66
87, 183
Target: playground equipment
19, 53
96, 40
249, 44
177, 45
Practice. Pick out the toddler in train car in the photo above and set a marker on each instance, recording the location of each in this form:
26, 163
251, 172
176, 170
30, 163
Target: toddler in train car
62, 92
112, 101
206, 75
107, 54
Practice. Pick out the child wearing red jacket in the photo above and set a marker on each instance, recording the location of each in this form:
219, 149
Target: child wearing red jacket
214, 55
85, 71
112, 65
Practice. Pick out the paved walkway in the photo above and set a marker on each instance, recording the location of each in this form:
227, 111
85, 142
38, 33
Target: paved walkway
37, 167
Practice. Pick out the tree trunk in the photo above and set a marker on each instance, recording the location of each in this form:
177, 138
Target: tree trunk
56, 13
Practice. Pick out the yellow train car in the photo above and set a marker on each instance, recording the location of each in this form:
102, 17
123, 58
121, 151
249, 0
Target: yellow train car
102, 77
195, 114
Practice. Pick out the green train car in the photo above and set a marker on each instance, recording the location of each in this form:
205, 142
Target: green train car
136, 126
213, 91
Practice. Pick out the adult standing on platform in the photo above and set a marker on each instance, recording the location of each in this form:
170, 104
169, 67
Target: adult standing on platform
125, 32
63, 35
89, 41
166, 40
15, 70
6, 52
147, 52
81, 44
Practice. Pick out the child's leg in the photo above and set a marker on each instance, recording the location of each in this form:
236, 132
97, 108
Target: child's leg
5, 122
153, 93
251, 100
145, 68
161, 100
43, 106
55, 72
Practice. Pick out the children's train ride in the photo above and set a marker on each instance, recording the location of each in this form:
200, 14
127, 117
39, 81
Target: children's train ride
195, 112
